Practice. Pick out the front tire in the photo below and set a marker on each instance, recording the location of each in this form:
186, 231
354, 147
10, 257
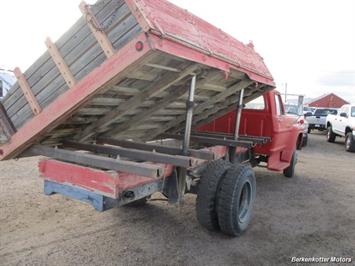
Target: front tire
235, 200
350, 142
330, 135
290, 171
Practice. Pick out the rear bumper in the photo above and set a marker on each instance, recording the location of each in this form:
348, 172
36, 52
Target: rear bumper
317, 126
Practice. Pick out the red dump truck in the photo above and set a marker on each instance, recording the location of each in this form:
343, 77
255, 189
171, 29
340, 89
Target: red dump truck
116, 104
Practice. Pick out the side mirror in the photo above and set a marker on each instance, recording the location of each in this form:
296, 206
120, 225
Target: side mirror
308, 114
344, 115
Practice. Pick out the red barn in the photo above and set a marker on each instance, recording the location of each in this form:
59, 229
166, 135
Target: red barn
328, 101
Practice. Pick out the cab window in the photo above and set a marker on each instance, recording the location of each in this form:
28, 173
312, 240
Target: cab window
278, 103
257, 104
344, 109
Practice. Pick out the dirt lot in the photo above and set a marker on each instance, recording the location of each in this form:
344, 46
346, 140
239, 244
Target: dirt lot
310, 215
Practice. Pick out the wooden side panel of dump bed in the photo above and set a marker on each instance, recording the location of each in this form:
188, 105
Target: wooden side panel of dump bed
140, 91
80, 51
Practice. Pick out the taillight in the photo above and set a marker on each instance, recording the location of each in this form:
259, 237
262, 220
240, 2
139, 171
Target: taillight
139, 46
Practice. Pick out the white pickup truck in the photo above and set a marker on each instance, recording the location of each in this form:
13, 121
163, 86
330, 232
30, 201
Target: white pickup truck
317, 120
343, 125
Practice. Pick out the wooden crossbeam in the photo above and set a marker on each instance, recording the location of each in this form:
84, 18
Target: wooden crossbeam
60, 63
155, 88
202, 107
94, 26
171, 97
166, 101
171, 69
26, 89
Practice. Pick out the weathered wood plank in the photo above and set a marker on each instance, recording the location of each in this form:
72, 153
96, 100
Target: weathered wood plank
93, 111
27, 91
60, 63
49, 94
71, 39
6, 125
103, 101
74, 53
100, 36
173, 95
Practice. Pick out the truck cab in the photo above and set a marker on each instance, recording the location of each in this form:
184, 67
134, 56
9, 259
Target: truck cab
343, 125
266, 116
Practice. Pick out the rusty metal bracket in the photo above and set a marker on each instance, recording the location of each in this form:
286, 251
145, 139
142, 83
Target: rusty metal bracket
60, 63
100, 36
26, 89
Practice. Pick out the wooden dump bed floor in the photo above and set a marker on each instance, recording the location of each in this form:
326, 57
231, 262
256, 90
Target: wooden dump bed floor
139, 90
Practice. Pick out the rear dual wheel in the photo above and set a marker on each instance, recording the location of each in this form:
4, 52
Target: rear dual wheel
236, 198
207, 193
225, 197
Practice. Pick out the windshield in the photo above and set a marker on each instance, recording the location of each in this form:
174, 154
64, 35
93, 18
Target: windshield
291, 109
333, 112
325, 112
353, 111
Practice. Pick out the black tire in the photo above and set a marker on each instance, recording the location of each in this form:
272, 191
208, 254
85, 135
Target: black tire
350, 142
290, 171
299, 143
309, 131
331, 135
207, 193
305, 141
236, 198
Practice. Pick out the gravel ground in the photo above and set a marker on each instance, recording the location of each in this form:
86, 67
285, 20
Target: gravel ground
312, 214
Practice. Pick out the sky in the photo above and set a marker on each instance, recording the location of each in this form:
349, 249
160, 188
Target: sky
307, 44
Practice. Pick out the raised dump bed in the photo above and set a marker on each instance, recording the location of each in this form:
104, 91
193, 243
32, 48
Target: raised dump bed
113, 103
123, 71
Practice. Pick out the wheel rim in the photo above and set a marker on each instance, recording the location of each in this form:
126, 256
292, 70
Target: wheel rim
244, 202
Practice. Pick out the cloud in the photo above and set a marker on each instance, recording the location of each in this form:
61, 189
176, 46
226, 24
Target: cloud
338, 79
